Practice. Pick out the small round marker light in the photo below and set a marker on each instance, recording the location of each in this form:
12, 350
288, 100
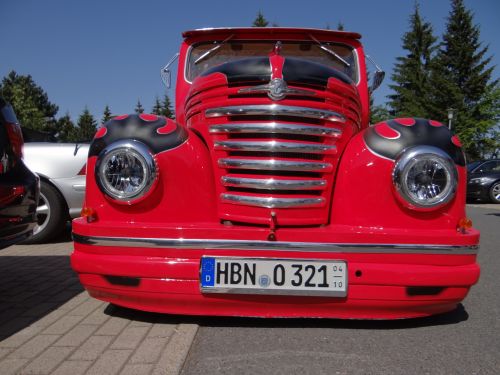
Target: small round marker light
464, 224
89, 213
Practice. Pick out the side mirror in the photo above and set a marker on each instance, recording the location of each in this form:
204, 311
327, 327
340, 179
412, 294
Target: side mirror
378, 75
378, 78
165, 71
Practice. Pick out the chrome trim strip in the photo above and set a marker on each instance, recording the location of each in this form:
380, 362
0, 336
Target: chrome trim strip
276, 128
275, 110
273, 183
218, 244
275, 146
275, 165
272, 202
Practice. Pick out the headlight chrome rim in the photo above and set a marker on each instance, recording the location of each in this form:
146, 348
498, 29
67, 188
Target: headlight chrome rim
129, 157
425, 178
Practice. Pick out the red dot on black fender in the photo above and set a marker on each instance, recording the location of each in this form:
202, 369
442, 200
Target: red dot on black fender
148, 117
121, 117
406, 121
101, 132
435, 123
385, 131
456, 141
169, 127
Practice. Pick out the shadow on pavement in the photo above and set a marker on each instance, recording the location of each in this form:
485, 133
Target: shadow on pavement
64, 236
32, 287
453, 317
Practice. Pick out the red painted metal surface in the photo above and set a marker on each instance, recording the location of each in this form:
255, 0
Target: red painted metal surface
360, 207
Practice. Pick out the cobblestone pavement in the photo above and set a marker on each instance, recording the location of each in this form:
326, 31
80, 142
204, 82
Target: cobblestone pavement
49, 324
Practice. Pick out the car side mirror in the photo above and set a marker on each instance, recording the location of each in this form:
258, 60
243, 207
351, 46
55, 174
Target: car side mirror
165, 71
378, 75
378, 78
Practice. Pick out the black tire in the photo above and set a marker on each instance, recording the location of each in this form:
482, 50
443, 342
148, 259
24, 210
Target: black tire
495, 192
51, 215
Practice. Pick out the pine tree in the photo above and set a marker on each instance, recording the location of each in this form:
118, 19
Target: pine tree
489, 109
378, 113
30, 102
106, 115
87, 126
139, 108
260, 21
166, 109
462, 80
66, 127
157, 108
411, 72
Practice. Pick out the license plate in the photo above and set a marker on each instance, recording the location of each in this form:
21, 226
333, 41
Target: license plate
273, 276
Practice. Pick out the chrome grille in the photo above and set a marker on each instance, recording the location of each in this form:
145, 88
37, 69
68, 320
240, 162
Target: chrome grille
273, 159
275, 128
272, 202
273, 183
276, 110
275, 146
274, 165
269, 161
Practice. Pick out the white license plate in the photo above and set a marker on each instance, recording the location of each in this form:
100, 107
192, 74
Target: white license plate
273, 276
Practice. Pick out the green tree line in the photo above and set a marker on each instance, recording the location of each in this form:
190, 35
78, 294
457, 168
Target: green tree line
451, 77
438, 78
434, 77
35, 111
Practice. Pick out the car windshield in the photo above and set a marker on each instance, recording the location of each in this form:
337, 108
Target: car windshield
472, 165
233, 50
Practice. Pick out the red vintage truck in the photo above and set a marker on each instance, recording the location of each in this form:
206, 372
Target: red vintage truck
270, 195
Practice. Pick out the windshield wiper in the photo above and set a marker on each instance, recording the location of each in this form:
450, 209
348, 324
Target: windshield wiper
212, 50
331, 52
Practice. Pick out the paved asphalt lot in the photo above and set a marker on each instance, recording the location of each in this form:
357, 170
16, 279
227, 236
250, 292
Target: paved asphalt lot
48, 325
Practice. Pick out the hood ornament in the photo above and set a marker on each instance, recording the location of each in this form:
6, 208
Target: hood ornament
276, 89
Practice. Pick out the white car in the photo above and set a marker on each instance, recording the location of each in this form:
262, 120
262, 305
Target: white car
61, 167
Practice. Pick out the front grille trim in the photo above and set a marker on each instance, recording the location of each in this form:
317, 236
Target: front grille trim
273, 183
275, 110
275, 128
275, 146
273, 202
275, 165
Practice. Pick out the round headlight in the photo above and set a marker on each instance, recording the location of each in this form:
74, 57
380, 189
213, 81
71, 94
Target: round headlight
126, 170
425, 178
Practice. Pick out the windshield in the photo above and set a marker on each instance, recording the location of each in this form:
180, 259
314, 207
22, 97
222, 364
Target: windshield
236, 49
472, 165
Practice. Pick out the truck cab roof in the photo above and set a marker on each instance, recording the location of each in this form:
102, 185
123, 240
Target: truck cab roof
266, 32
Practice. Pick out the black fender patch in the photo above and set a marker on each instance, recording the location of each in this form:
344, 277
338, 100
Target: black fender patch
389, 138
156, 132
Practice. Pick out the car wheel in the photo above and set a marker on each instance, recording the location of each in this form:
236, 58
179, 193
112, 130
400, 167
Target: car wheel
51, 215
495, 192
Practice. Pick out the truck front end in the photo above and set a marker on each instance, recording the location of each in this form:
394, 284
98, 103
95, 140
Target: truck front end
270, 196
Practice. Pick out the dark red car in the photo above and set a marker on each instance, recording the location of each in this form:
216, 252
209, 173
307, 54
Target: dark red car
19, 187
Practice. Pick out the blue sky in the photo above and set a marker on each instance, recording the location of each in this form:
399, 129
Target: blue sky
95, 53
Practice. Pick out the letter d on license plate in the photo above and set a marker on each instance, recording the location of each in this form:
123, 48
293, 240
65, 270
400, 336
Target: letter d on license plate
273, 276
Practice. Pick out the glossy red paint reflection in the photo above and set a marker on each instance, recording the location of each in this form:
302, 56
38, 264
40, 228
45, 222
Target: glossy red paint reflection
360, 218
